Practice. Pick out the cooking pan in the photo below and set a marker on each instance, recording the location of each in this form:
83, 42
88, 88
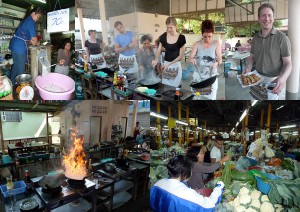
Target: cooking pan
204, 83
150, 84
110, 167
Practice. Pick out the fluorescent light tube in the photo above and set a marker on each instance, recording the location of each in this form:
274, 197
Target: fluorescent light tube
158, 115
288, 126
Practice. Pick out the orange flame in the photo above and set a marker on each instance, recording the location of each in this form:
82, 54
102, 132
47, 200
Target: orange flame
74, 163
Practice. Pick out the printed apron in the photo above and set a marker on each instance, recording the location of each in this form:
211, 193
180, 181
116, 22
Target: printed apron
128, 64
98, 60
172, 76
204, 73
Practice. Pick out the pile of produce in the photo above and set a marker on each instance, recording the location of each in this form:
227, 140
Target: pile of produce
285, 192
226, 175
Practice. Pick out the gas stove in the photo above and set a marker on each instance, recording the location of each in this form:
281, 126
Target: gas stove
171, 93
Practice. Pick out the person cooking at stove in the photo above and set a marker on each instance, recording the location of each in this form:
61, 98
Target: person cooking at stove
125, 45
270, 51
24, 35
206, 56
63, 59
174, 44
145, 57
94, 48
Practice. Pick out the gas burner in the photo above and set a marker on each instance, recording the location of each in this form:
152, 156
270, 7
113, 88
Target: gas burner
76, 183
171, 93
111, 171
52, 192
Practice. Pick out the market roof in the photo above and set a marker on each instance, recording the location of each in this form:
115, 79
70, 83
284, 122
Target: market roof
239, 14
90, 8
223, 115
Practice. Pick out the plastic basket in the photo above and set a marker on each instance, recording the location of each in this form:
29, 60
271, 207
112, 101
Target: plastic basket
19, 187
123, 93
262, 186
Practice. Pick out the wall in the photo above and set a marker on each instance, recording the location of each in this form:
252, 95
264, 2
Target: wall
109, 111
27, 128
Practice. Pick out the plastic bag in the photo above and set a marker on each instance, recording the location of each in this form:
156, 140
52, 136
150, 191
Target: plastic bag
45, 64
242, 164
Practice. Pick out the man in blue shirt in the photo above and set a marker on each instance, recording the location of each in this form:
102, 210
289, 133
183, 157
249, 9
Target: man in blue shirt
24, 34
125, 45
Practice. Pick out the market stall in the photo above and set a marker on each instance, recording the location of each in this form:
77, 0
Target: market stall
263, 171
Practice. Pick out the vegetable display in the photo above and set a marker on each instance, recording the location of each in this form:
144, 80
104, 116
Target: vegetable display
226, 174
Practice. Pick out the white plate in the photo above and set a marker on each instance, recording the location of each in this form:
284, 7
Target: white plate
141, 89
247, 74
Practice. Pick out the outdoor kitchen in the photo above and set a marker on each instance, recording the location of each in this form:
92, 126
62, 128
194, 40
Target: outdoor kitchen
75, 156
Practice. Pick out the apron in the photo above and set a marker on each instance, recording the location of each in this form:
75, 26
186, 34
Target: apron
98, 60
266, 81
204, 73
26, 41
172, 76
127, 64
62, 69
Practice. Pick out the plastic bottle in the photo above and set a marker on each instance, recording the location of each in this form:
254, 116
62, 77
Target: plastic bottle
115, 79
177, 94
197, 96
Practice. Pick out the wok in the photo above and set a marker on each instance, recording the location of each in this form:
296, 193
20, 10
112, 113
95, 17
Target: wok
110, 167
150, 84
204, 83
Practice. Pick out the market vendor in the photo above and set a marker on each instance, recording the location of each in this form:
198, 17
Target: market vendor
206, 56
216, 152
63, 59
199, 168
270, 51
24, 35
173, 195
174, 45
255, 152
125, 45
94, 48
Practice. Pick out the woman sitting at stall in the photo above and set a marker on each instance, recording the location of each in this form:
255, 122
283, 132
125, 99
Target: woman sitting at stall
63, 59
196, 154
173, 195
256, 152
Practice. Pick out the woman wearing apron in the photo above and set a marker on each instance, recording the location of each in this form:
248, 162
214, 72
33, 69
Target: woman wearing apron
125, 45
24, 34
174, 44
206, 55
63, 59
145, 57
94, 47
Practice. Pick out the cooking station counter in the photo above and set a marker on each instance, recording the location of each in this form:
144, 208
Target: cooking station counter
68, 194
163, 92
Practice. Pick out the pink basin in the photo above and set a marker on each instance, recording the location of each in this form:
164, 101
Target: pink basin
55, 86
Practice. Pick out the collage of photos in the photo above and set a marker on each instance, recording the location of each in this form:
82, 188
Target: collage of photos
106, 105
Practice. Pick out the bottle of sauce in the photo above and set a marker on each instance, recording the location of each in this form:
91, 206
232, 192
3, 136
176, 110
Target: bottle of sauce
28, 182
90, 167
9, 184
177, 94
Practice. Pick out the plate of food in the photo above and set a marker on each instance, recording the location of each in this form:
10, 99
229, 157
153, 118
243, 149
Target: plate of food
249, 79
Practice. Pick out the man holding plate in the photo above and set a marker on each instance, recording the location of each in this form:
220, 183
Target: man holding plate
270, 51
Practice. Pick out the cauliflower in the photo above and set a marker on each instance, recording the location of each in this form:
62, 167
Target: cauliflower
255, 203
279, 209
267, 207
265, 198
245, 199
243, 191
236, 202
250, 210
255, 194
240, 208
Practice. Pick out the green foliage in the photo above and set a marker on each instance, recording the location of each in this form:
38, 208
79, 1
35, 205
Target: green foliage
185, 25
248, 30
